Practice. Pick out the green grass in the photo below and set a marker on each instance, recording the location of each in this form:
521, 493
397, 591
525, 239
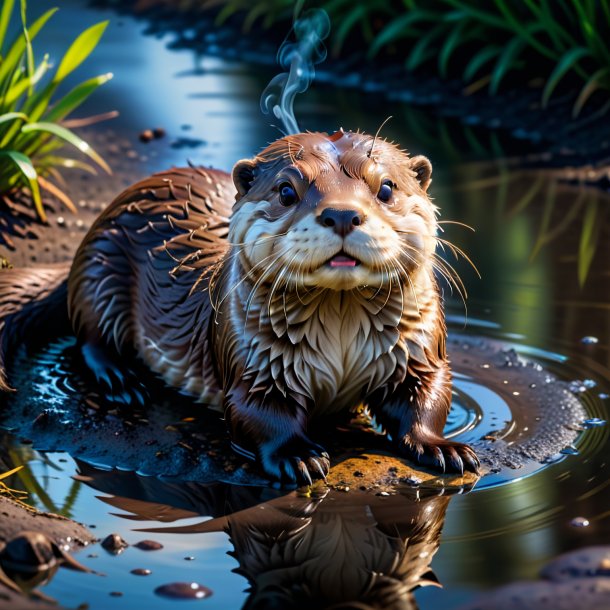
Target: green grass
31, 115
481, 42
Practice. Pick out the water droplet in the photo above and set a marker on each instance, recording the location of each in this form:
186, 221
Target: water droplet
569, 451
579, 522
603, 395
594, 422
183, 590
589, 340
589, 383
189, 558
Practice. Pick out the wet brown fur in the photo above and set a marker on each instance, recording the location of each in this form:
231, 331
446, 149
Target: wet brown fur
236, 307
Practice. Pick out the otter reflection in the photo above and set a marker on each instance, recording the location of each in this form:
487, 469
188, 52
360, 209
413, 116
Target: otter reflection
320, 549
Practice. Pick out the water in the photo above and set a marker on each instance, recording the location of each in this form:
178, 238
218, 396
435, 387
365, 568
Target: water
527, 246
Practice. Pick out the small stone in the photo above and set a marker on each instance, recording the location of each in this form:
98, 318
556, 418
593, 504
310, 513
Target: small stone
183, 590
116, 594
342, 488
141, 572
382, 493
147, 135
148, 545
189, 558
113, 543
159, 132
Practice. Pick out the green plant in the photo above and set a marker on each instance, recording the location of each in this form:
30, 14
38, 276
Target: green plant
479, 41
545, 38
31, 130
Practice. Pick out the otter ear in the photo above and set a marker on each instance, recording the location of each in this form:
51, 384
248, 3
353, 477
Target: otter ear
423, 169
243, 175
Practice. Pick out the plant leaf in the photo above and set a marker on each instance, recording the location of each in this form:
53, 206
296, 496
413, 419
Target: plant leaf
75, 97
69, 137
57, 192
5, 475
399, 28
16, 51
505, 62
569, 59
28, 171
591, 86
16, 91
588, 240
12, 116
5, 17
479, 60
79, 50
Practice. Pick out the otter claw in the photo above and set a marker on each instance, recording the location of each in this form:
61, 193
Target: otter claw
322, 470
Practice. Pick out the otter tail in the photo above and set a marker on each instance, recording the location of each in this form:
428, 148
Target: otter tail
32, 300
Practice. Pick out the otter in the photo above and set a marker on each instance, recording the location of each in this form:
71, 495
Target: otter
307, 293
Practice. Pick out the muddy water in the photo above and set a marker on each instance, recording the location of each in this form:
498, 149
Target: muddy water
543, 289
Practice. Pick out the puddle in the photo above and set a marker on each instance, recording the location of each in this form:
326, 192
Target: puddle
530, 300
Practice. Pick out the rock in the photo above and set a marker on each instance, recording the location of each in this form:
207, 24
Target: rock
113, 543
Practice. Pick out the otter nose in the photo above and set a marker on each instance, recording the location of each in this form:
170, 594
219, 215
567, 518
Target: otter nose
341, 221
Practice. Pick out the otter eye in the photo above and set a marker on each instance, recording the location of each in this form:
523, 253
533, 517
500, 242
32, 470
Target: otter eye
385, 191
288, 196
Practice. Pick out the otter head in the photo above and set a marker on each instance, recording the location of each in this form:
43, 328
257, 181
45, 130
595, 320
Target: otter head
336, 212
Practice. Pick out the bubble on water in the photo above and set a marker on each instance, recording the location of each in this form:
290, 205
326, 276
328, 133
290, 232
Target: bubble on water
577, 386
594, 422
589, 383
603, 395
589, 340
579, 522
183, 590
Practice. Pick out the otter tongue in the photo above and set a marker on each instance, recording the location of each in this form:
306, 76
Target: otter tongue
341, 260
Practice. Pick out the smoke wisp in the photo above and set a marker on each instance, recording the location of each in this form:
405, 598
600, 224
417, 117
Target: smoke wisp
299, 59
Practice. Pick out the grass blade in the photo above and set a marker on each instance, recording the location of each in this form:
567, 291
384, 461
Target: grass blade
79, 50
76, 97
505, 62
588, 240
5, 17
572, 57
479, 60
594, 83
67, 136
28, 171
16, 51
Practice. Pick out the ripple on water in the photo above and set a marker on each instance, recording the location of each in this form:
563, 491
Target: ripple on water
519, 414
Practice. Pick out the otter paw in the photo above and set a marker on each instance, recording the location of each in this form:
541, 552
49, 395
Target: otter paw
296, 463
441, 454
119, 384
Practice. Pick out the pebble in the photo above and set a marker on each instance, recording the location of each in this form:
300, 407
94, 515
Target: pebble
159, 132
147, 135
189, 558
148, 545
183, 590
114, 544
141, 572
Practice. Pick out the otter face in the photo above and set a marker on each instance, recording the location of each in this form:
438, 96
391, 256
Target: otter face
336, 212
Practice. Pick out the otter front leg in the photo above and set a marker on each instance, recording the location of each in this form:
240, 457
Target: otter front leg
274, 434
415, 414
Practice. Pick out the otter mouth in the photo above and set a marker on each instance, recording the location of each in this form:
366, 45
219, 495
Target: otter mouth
341, 259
